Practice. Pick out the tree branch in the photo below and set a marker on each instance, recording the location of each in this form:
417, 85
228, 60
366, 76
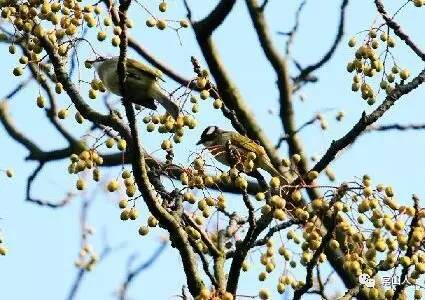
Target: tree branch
328, 55
398, 30
367, 120
216, 17
138, 270
144, 184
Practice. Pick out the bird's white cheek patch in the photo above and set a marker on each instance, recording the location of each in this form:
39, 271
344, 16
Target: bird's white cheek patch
210, 130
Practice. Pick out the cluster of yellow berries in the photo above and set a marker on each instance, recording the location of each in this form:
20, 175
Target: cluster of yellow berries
152, 222
120, 143
268, 261
162, 24
206, 294
60, 20
202, 82
129, 183
367, 63
95, 86
86, 160
126, 212
167, 124
385, 244
204, 205
87, 258
197, 177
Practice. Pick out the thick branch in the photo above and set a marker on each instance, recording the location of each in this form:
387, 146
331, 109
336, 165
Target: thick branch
216, 17
367, 120
144, 184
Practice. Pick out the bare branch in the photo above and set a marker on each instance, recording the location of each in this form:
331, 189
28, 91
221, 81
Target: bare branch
367, 120
398, 30
274, 229
49, 204
17, 135
328, 55
250, 207
396, 127
138, 270
291, 34
286, 136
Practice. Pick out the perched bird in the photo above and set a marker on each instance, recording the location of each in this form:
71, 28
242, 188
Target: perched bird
233, 149
141, 83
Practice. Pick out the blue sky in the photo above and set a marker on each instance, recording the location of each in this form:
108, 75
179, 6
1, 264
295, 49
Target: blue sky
43, 243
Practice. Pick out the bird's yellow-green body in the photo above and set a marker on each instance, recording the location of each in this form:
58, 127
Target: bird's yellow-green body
141, 83
220, 142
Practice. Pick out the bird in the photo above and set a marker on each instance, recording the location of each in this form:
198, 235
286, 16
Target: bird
233, 149
141, 83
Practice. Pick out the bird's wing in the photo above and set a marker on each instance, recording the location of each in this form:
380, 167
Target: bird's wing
250, 145
134, 68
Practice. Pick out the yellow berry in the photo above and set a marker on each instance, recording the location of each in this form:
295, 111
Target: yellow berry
18, 71
205, 94
3, 250
80, 184
152, 221
241, 183
107, 21
134, 213
121, 144
161, 24
163, 6
116, 41
62, 114
143, 230
112, 186
58, 88
166, 144
110, 142
12, 49
264, 294
123, 203
418, 3
125, 215
260, 196
404, 74
217, 104
296, 196
40, 101
101, 35
9, 173
352, 42
151, 22
184, 23
312, 175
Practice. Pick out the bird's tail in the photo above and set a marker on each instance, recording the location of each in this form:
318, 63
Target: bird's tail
171, 107
273, 172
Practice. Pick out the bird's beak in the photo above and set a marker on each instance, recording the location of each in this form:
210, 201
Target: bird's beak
199, 142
